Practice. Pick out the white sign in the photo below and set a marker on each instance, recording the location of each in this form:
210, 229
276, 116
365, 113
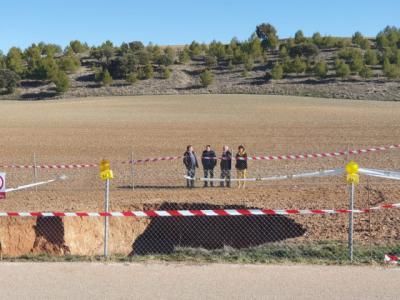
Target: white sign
2, 185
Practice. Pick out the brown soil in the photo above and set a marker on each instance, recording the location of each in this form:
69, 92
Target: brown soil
85, 131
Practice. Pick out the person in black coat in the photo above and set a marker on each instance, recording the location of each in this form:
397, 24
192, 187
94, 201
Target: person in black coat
226, 166
209, 161
241, 166
190, 162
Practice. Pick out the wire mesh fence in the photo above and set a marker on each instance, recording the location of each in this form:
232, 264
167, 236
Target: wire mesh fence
161, 186
247, 238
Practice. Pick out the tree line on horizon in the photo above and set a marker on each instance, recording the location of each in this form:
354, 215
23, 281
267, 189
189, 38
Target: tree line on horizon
134, 61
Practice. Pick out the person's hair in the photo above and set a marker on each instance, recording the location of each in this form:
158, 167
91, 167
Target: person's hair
241, 147
208, 146
188, 147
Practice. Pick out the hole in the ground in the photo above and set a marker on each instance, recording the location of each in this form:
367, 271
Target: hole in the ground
164, 234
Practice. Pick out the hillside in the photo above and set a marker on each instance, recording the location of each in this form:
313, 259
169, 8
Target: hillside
317, 66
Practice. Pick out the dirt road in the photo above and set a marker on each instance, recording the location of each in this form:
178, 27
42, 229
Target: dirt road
178, 281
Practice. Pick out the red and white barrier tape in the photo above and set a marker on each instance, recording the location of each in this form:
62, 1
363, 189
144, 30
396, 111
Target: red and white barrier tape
316, 155
169, 158
392, 259
166, 158
72, 166
197, 212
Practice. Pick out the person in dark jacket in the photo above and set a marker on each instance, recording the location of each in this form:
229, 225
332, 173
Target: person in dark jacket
226, 166
209, 161
190, 162
241, 166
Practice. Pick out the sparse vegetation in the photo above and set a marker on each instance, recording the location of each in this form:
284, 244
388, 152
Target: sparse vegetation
323, 252
342, 69
61, 81
15, 61
9, 80
206, 78
69, 63
106, 78
371, 57
249, 64
268, 34
78, 47
298, 65
321, 69
277, 72
391, 71
165, 73
297, 56
103, 76
211, 60
148, 72
132, 78
365, 72
184, 56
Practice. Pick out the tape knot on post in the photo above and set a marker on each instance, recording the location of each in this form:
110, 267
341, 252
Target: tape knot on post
352, 173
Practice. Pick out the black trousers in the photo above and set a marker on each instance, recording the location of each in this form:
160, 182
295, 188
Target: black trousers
209, 173
226, 174
190, 173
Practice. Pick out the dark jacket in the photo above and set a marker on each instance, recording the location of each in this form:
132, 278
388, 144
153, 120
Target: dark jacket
241, 161
226, 160
188, 162
208, 160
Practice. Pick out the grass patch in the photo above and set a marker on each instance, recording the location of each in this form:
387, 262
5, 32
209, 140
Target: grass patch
327, 252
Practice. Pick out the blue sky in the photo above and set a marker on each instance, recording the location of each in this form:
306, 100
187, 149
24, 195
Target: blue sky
179, 22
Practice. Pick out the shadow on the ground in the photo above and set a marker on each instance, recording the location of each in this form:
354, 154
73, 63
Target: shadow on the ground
32, 83
39, 95
86, 78
164, 234
188, 88
49, 236
193, 72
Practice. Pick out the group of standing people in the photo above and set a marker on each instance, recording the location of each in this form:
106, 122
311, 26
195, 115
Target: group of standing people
209, 162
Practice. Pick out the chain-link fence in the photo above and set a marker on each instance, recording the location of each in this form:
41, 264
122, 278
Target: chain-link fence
161, 186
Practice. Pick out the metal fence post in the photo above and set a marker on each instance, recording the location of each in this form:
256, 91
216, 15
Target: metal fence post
132, 172
106, 209
352, 178
351, 220
34, 170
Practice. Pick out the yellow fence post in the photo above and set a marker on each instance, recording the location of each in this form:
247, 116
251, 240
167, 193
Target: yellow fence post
106, 174
352, 179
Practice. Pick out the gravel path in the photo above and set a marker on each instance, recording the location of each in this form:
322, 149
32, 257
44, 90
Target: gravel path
182, 281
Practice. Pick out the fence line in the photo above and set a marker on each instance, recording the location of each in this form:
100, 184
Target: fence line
256, 158
200, 212
237, 224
